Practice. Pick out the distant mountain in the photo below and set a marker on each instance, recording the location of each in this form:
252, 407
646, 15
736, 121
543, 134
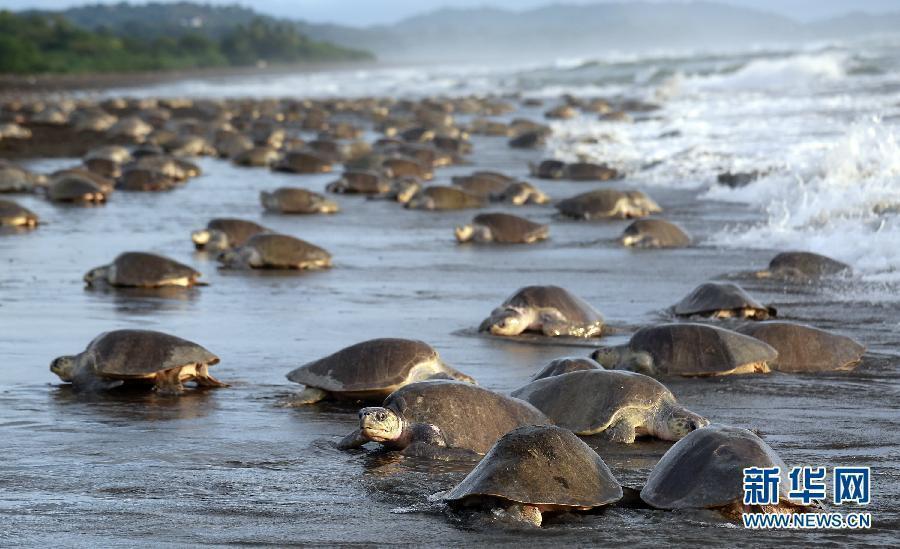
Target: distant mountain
496, 34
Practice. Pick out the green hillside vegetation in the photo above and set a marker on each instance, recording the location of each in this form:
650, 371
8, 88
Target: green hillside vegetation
48, 43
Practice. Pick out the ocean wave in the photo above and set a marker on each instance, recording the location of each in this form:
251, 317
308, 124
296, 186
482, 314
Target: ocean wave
795, 71
841, 199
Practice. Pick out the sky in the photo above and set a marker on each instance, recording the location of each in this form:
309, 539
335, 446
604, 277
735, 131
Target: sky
368, 12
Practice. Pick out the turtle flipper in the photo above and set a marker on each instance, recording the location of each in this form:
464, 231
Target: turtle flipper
519, 513
85, 381
352, 441
168, 382
309, 395
204, 379
625, 430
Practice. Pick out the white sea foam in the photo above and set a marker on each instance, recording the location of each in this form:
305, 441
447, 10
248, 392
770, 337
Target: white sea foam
778, 73
840, 198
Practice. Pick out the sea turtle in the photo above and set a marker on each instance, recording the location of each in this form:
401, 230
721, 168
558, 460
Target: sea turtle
589, 171
395, 168
15, 179
722, 300
359, 182
533, 470
402, 190
442, 413
804, 266
520, 193
480, 187
142, 270
257, 156
225, 233
11, 130
106, 184
276, 251
528, 139
654, 233
294, 200
561, 112
565, 365
548, 169
688, 349
803, 348
131, 127
608, 203
440, 197
178, 169
123, 357
371, 370
550, 310
705, 470
501, 228
230, 144
75, 190
14, 215
622, 405
145, 180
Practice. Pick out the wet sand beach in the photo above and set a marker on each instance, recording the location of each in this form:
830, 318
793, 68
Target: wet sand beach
233, 467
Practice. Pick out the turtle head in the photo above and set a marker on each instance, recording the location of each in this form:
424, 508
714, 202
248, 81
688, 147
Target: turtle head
380, 424
420, 202
269, 201
64, 367
676, 422
506, 321
96, 275
464, 233
405, 189
238, 258
623, 358
210, 239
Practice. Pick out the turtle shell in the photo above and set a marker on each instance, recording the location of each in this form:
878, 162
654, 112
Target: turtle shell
588, 171
666, 234
304, 162
283, 251
469, 417
803, 348
716, 296
690, 349
599, 203
295, 200
565, 365
541, 465
237, 230
71, 189
573, 308
483, 187
705, 469
450, 198
506, 228
361, 182
377, 365
141, 269
807, 264
586, 402
12, 214
128, 353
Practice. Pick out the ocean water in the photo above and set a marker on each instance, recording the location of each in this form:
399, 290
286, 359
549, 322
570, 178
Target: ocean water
821, 121
231, 467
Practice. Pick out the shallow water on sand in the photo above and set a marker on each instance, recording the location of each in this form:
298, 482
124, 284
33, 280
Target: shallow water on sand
231, 467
